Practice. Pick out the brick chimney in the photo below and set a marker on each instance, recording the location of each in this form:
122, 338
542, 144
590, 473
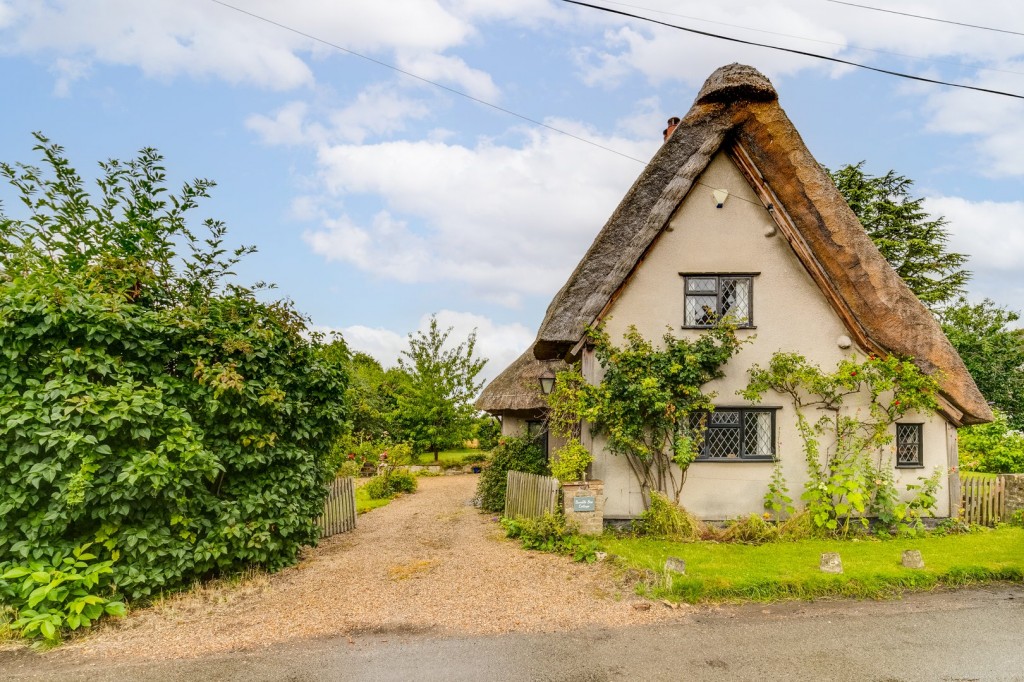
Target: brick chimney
667, 132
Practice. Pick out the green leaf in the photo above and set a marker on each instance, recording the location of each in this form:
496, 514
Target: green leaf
17, 572
38, 595
48, 630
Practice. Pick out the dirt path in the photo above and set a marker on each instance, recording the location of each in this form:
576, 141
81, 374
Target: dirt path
426, 563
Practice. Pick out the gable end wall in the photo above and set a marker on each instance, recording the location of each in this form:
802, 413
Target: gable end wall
790, 314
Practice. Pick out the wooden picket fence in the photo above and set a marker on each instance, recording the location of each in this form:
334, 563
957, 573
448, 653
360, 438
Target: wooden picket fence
339, 509
530, 495
983, 498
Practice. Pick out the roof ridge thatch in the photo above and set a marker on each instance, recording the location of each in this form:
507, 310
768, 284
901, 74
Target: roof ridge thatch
737, 110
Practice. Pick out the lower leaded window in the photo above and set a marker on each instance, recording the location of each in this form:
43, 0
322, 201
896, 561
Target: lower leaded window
737, 434
909, 446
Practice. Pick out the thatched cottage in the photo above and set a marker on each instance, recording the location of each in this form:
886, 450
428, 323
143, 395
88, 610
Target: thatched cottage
783, 249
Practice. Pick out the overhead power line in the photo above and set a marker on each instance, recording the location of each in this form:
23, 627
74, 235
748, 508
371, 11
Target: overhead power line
552, 128
455, 91
778, 48
847, 46
921, 16
424, 80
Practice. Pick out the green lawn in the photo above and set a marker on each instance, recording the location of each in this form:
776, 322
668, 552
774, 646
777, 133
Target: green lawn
449, 457
789, 570
364, 503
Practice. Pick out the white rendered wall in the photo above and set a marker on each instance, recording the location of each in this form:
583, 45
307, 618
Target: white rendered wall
790, 314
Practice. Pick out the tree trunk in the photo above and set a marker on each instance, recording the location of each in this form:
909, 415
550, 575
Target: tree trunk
436, 455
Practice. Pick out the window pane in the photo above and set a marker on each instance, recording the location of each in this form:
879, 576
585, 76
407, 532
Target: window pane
723, 443
736, 299
700, 310
757, 434
908, 444
724, 418
700, 285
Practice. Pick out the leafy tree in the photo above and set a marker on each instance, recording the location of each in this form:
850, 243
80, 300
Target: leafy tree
487, 431
147, 405
914, 243
992, 351
434, 409
372, 397
992, 448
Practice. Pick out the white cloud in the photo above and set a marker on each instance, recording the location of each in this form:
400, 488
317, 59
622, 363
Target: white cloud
526, 12
387, 247
664, 54
447, 69
286, 127
380, 109
993, 121
505, 220
68, 71
991, 233
499, 343
167, 38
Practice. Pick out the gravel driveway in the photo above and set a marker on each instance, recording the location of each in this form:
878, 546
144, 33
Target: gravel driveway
427, 563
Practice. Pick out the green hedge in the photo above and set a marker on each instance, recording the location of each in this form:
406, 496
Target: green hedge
178, 423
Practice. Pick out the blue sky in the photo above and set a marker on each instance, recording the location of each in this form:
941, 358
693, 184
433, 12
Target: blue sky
375, 199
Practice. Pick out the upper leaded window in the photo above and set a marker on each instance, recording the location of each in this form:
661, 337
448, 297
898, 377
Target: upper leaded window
909, 446
735, 434
709, 298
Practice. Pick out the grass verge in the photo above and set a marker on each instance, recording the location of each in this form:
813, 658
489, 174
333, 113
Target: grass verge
365, 503
718, 572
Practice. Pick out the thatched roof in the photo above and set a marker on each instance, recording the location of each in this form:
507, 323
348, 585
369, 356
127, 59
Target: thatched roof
518, 387
737, 111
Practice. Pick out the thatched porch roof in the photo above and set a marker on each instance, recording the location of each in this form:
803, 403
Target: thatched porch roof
517, 389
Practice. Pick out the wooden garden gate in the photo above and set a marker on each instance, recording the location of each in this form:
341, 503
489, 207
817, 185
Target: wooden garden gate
982, 498
339, 509
530, 495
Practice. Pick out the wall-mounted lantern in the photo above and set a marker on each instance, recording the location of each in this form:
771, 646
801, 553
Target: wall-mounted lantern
547, 381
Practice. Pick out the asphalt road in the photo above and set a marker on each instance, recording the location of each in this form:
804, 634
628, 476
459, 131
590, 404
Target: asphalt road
967, 635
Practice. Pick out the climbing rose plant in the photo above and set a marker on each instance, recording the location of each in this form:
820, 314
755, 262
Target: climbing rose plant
645, 400
849, 466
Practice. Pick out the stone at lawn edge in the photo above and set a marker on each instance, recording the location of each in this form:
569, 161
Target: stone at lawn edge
912, 558
831, 562
675, 565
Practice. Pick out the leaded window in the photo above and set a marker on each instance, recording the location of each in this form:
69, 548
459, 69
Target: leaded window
737, 434
909, 445
709, 298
